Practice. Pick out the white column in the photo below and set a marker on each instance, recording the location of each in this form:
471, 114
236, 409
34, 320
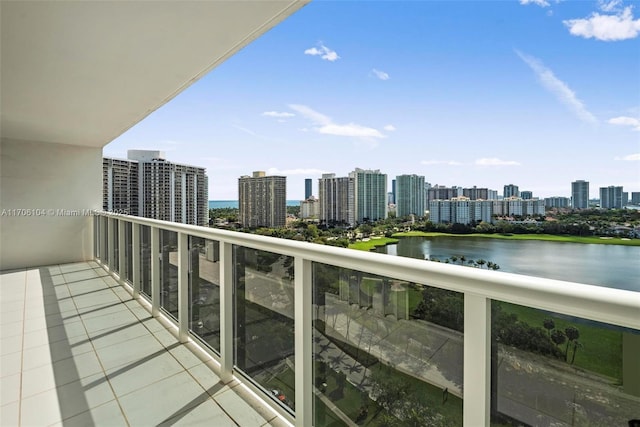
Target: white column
303, 342
183, 287
110, 245
155, 271
226, 311
477, 360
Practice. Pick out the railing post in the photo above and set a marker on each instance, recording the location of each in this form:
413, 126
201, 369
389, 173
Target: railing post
135, 257
121, 252
226, 312
477, 360
183, 287
303, 342
103, 241
110, 247
155, 271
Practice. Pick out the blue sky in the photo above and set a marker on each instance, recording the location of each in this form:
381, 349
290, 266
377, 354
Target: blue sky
538, 93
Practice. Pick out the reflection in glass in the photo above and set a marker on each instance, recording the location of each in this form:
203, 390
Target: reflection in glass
169, 272
386, 352
264, 321
551, 369
204, 290
145, 261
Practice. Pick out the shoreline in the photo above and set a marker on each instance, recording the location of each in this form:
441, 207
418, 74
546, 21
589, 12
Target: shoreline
542, 237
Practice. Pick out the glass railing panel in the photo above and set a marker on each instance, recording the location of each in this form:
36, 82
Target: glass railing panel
552, 369
145, 261
115, 262
128, 267
264, 321
204, 290
386, 352
169, 272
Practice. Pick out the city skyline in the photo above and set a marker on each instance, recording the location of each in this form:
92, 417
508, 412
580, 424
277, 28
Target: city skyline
535, 93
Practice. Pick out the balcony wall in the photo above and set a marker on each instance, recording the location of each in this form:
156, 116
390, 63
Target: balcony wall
45, 192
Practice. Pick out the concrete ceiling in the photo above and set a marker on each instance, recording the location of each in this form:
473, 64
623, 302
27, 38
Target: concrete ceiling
83, 72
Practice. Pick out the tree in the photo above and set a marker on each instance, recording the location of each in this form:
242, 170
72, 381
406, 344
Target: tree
549, 324
572, 336
481, 262
558, 337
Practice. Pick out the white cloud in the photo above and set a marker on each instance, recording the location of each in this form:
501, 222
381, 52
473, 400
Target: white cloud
299, 171
620, 26
326, 126
631, 157
441, 162
558, 88
496, 162
389, 128
541, 3
380, 74
609, 6
626, 121
324, 52
277, 114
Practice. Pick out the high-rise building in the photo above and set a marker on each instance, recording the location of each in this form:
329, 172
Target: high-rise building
526, 195
310, 208
511, 190
393, 192
150, 186
410, 196
262, 200
478, 193
370, 194
580, 194
556, 202
308, 188
440, 192
336, 200
611, 197
635, 198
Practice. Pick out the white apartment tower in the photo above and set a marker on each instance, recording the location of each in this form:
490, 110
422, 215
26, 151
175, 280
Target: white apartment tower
262, 200
336, 200
410, 195
150, 186
370, 194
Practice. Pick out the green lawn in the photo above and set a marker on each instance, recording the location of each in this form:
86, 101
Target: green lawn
372, 243
546, 237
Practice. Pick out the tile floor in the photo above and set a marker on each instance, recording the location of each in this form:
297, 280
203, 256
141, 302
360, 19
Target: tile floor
77, 350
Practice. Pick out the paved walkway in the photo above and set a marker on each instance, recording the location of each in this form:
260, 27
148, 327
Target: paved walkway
76, 349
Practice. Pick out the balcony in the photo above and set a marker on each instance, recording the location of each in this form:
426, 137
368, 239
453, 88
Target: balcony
265, 331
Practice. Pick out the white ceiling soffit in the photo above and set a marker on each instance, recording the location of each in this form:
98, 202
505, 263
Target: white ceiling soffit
83, 72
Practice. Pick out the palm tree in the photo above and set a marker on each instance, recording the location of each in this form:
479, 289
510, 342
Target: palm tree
549, 324
481, 262
454, 259
558, 337
462, 259
572, 335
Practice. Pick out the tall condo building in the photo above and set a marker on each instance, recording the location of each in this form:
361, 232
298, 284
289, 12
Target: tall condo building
262, 200
370, 194
580, 194
440, 192
393, 192
476, 193
148, 185
526, 195
410, 195
336, 200
612, 197
511, 190
308, 188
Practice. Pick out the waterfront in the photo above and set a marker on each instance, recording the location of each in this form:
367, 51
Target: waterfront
612, 266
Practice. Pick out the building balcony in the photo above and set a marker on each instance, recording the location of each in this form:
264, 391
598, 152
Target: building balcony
173, 323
